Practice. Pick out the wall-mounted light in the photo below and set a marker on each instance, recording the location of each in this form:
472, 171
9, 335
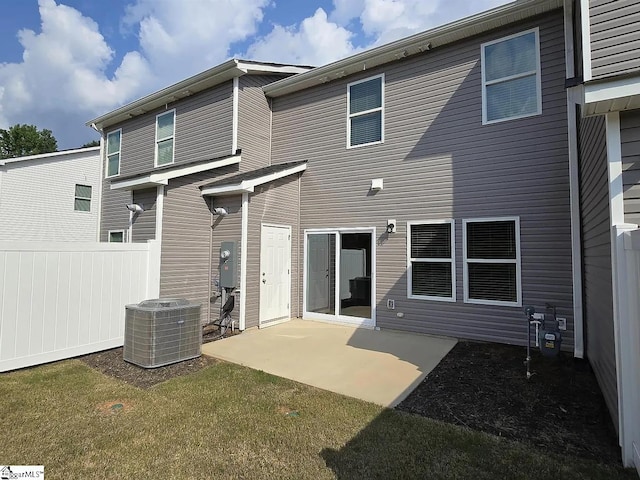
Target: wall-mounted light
391, 225
220, 211
135, 208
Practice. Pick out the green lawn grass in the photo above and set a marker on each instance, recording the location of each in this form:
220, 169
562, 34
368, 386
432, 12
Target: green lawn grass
227, 421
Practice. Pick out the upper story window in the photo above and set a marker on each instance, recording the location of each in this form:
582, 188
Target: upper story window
511, 77
431, 260
82, 199
165, 131
365, 103
114, 141
492, 261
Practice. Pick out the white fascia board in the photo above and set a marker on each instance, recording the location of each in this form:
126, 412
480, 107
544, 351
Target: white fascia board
162, 178
601, 91
284, 69
49, 155
249, 186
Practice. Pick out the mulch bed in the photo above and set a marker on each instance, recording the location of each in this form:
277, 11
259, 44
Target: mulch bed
111, 362
484, 387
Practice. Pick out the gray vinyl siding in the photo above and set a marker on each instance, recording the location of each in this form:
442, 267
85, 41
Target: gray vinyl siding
184, 269
273, 203
596, 257
630, 143
438, 161
254, 121
615, 37
203, 130
144, 224
114, 215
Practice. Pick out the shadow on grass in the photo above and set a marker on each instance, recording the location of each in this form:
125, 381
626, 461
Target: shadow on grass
400, 445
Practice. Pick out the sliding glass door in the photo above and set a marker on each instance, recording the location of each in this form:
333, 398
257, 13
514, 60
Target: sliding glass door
339, 272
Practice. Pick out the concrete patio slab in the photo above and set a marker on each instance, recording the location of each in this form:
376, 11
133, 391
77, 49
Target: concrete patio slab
382, 367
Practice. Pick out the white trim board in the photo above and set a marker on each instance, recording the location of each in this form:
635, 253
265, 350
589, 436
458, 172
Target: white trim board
244, 238
248, 186
234, 122
163, 177
586, 40
39, 156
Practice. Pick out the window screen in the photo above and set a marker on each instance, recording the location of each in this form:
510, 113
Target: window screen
365, 112
82, 200
511, 77
113, 153
431, 261
164, 138
492, 260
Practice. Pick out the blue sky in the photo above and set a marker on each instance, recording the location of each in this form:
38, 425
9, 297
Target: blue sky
63, 62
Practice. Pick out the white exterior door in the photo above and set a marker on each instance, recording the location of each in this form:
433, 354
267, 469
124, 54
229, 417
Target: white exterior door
275, 274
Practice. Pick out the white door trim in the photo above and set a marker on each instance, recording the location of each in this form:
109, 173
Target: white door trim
337, 318
261, 323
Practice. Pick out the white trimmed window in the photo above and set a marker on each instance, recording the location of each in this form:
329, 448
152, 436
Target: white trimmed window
511, 77
431, 271
165, 132
114, 142
492, 261
365, 107
116, 236
82, 200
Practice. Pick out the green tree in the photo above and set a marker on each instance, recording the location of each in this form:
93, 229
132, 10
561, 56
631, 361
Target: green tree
21, 140
92, 143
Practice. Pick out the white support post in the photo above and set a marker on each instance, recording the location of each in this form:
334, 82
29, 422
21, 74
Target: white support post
243, 260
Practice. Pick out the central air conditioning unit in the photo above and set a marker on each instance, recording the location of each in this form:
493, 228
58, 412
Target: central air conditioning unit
162, 331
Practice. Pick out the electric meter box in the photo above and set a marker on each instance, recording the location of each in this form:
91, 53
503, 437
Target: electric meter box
549, 342
229, 264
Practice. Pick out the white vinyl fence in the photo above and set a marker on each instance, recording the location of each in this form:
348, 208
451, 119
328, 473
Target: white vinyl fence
59, 300
627, 331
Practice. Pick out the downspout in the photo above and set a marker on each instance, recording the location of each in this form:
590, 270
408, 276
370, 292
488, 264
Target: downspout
210, 262
574, 95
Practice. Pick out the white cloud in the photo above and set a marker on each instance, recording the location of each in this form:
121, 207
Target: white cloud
181, 38
64, 77
315, 42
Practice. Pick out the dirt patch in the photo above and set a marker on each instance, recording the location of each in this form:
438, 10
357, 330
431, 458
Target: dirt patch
110, 362
113, 407
484, 387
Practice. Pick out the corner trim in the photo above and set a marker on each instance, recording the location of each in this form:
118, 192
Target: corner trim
234, 134
243, 260
586, 40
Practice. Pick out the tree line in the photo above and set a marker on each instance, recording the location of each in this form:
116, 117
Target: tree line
21, 140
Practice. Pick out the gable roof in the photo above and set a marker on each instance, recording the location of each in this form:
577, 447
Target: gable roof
52, 155
418, 43
201, 81
246, 182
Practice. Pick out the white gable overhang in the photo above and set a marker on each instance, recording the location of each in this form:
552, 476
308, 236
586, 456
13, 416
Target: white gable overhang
248, 186
207, 79
609, 95
163, 177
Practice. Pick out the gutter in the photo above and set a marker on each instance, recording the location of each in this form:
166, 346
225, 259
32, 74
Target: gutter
415, 44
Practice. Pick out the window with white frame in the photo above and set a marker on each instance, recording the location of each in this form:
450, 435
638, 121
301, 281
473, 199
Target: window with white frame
114, 141
82, 200
511, 77
116, 236
365, 104
492, 261
431, 265
165, 131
